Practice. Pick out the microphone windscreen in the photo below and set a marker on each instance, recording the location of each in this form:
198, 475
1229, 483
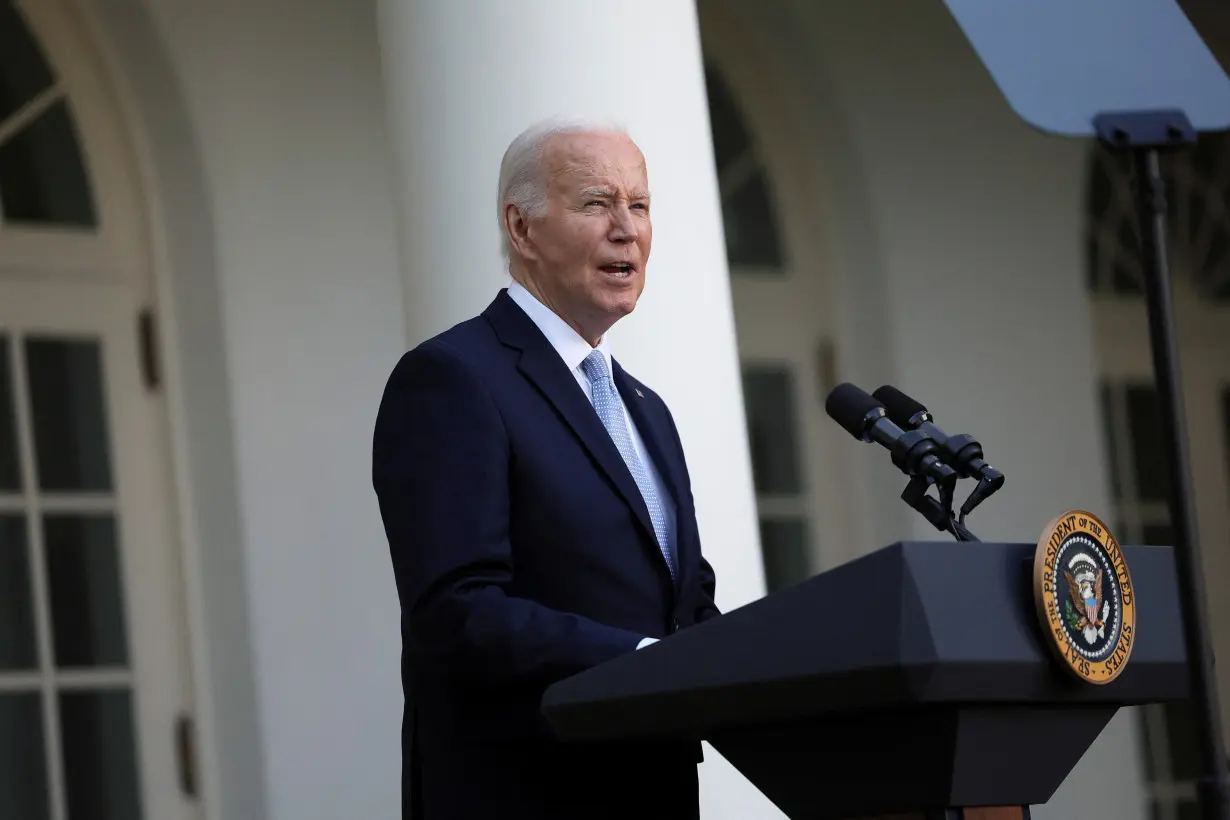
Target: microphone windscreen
848, 406
899, 407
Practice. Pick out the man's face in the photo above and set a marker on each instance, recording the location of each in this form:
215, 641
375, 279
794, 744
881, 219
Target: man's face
586, 255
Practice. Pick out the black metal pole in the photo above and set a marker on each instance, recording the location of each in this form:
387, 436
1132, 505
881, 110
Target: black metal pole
1151, 202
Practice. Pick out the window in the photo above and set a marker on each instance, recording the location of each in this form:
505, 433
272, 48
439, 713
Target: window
752, 241
777, 379
1198, 194
43, 181
1139, 487
773, 432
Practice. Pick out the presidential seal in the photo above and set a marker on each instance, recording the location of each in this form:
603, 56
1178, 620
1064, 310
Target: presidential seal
1084, 596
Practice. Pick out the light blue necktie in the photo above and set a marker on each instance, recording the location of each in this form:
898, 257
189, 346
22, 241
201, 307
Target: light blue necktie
610, 410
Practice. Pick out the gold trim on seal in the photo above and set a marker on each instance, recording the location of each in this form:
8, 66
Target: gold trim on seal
1052, 588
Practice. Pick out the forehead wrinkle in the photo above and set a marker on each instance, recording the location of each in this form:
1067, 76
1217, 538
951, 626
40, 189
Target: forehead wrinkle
572, 168
570, 174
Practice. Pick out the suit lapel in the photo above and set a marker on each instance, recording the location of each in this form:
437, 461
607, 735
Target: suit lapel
656, 438
543, 367
647, 424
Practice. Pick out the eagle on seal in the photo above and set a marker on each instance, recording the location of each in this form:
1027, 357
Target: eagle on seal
1086, 591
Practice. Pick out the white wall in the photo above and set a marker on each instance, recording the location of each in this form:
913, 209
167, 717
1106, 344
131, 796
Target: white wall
308, 311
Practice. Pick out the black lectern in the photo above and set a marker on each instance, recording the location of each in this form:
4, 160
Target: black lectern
912, 682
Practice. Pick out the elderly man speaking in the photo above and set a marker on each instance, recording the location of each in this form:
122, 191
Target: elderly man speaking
538, 507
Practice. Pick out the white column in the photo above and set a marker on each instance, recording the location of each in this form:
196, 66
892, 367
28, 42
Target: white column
463, 78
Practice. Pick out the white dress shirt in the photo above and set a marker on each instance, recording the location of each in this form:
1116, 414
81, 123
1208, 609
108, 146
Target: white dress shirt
573, 350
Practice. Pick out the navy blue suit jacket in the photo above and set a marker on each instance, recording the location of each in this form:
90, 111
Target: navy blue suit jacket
523, 553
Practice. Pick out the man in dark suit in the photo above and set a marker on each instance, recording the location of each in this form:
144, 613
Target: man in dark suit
538, 507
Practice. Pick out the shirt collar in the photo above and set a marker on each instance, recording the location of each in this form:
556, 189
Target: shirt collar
566, 341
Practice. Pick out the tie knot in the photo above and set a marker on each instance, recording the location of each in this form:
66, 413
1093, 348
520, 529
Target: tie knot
594, 366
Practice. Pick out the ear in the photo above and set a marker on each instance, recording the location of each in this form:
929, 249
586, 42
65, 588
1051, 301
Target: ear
517, 225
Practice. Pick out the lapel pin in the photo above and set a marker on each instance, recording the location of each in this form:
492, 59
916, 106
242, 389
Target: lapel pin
638, 392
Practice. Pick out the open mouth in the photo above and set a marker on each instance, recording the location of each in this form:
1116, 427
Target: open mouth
621, 270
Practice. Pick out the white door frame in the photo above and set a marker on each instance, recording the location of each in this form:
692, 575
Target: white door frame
149, 561
95, 283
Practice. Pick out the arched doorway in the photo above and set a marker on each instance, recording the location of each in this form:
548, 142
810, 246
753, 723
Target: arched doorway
94, 693
782, 295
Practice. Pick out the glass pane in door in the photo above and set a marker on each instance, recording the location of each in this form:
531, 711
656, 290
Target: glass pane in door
1145, 427
1225, 422
785, 552
100, 766
1183, 740
772, 428
17, 642
23, 777
42, 175
1157, 535
10, 475
1188, 809
87, 607
72, 447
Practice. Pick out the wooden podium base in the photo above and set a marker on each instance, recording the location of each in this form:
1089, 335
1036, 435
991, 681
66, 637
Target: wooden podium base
975, 813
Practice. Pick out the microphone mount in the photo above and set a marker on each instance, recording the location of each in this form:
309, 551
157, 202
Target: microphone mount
915, 454
918, 452
965, 455
939, 513
962, 452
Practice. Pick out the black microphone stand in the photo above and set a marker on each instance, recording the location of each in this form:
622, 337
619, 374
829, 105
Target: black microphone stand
939, 513
1146, 134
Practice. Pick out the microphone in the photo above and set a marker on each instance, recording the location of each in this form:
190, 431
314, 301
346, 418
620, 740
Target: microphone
865, 418
961, 451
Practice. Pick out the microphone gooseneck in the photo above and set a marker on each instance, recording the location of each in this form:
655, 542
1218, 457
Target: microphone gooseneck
961, 451
920, 449
916, 452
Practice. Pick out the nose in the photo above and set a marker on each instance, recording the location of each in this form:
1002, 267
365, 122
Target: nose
623, 227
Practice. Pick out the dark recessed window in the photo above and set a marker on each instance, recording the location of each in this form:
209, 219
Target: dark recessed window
748, 215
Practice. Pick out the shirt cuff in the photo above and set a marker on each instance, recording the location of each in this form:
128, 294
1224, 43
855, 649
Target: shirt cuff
646, 642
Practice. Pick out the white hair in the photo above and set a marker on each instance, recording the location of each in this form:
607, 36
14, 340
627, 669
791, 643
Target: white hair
522, 179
